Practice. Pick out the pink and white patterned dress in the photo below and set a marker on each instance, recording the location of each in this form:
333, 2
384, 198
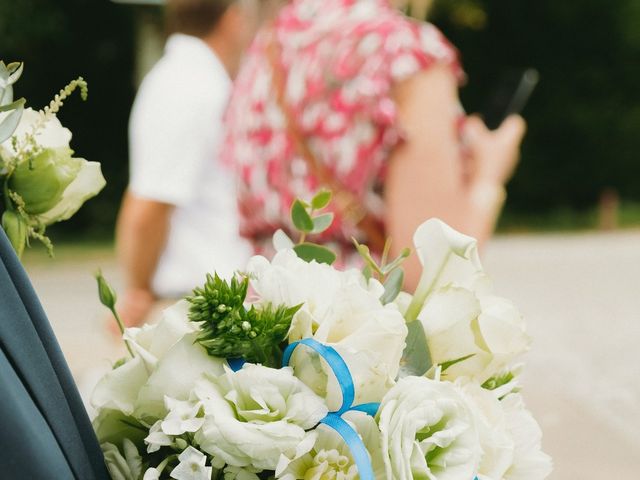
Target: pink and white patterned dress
340, 59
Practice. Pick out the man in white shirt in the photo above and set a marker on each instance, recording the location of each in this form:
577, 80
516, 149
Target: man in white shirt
178, 219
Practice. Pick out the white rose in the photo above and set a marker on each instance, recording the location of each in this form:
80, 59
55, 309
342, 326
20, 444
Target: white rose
428, 432
338, 309
255, 414
324, 454
509, 436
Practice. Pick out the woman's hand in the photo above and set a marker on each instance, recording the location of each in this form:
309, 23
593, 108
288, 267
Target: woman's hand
492, 155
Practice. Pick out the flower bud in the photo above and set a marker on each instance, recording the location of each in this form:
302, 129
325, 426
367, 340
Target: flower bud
41, 182
16, 230
105, 292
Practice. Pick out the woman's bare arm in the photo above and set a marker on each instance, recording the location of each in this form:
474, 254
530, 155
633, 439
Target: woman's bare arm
430, 175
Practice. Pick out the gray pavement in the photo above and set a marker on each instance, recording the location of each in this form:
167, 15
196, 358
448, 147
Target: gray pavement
581, 297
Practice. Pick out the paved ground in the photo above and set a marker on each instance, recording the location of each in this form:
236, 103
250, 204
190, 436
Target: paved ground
580, 294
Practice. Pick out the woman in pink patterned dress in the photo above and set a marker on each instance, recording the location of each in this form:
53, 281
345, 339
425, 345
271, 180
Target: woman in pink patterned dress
356, 90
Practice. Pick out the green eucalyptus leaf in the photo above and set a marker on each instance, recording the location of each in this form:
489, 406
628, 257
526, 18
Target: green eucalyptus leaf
322, 222
300, 217
321, 199
310, 251
392, 286
16, 230
9, 124
451, 363
416, 358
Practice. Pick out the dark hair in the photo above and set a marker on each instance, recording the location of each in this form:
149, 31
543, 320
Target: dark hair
194, 17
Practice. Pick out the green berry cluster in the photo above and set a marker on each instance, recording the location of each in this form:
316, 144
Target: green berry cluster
230, 330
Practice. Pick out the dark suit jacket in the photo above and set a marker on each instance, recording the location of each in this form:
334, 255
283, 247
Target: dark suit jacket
44, 430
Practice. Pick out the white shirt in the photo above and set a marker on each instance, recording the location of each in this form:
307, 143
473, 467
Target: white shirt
175, 132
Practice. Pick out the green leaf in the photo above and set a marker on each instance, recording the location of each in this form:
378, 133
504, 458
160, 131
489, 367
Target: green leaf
322, 222
451, 363
416, 359
310, 251
498, 380
392, 286
321, 200
397, 262
12, 106
300, 217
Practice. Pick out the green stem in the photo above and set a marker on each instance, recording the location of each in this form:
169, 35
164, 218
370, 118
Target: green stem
422, 292
121, 327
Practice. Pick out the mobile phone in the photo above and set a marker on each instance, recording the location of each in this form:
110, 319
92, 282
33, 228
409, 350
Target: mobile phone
510, 96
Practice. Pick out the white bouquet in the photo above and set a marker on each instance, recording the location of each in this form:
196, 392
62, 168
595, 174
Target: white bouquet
294, 369
41, 180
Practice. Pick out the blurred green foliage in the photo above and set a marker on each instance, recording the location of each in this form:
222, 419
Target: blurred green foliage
59, 40
584, 117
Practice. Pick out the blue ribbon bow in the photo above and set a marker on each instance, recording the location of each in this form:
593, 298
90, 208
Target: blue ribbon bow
334, 419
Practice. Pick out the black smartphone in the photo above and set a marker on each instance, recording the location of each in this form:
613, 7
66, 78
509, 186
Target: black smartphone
510, 96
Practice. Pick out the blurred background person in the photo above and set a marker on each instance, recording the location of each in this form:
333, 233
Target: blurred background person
178, 217
357, 97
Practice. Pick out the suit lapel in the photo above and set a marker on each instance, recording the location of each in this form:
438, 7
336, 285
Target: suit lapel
31, 348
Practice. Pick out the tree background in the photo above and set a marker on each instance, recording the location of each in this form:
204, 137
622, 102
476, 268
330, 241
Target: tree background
584, 117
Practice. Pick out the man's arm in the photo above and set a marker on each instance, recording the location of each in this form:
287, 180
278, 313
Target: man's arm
141, 235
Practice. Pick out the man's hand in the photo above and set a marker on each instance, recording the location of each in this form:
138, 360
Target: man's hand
141, 235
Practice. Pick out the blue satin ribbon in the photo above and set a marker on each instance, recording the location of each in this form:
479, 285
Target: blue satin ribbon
236, 364
334, 419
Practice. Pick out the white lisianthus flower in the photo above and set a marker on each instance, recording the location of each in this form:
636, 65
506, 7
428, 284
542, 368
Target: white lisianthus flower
458, 323
192, 466
175, 375
255, 414
324, 454
428, 431
167, 362
119, 388
338, 309
529, 461
152, 341
509, 436
459, 315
